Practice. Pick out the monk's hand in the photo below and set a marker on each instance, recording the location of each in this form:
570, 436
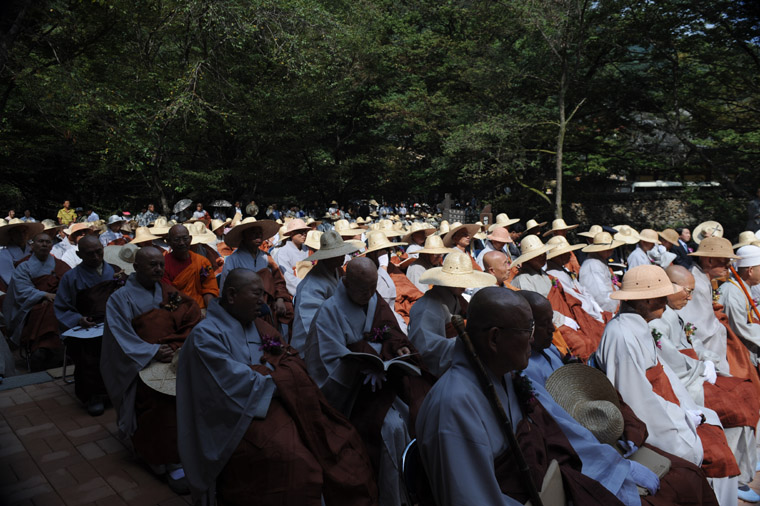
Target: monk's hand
710, 374
643, 477
404, 350
49, 297
164, 353
279, 307
86, 322
373, 378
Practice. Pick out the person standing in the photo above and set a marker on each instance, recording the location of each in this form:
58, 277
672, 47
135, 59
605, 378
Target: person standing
66, 215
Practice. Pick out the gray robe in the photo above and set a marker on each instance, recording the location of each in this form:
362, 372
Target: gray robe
22, 296
427, 328
417, 269
78, 278
218, 394
287, 259
8, 256
313, 290
242, 259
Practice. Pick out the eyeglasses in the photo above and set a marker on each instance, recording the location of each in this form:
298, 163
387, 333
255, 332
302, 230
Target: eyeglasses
688, 291
531, 330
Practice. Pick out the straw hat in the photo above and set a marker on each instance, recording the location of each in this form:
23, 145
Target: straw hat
373, 202
200, 234
434, 246
29, 230
531, 247
115, 218
716, 247
750, 256
595, 229
391, 229
142, 234
560, 246
707, 229
502, 220
418, 227
75, 227
645, 282
457, 272
559, 224
377, 240
531, 224
294, 226
589, 397
312, 239
669, 235
160, 227
603, 241
500, 234
627, 234
443, 228
745, 238
649, 235
216, 224
331, 245
345, 230
161, 376
471, 228
268, 229
121, 256
47, 223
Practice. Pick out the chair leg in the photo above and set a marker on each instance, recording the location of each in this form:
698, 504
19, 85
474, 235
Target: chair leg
67, 381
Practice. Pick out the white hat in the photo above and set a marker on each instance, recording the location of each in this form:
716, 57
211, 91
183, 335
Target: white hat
561, 246
457, 272
531, 247
707, 229
627, 234
645, 282
377, 240
558, 225
115, 218
121, 256
750, 256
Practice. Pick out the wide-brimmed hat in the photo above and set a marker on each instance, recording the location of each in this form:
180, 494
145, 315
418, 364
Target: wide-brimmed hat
716, 247
531, 247
73, 228
645, 282
268, 229
500, 234
745, 238
161, 376
706, 229
345, 230
391, 229
531, 224
434, 246
377, 240
443, 228
627, 234
457, 272
331, 245
373, 202
160, 227
588, 396
121, 256
200, 234
750, 256
649, 235
312, 239
592, 231
559, 225
471, 228
295, 225
669, 235
142, 234
47, 224
115, 218
560, 246
29, 230
502, 220
603, 241
418, 227
216, 224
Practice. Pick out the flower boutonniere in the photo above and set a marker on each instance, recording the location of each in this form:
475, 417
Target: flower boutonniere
378, 334
689, 329
716, 295
271, 345
554, 282
175, 299
615, 281
524, 390
120, 278
205, 272
657, 335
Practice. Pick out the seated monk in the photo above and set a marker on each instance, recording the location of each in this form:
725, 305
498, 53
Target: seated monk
382, 407
428, 257
281, 442
146, 320
81, 302
463, 444
113, 235
189, 272
627, 354
685, 483
248, 237
28, 305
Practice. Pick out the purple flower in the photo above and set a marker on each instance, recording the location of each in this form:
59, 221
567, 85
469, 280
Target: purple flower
378, 334
271, 345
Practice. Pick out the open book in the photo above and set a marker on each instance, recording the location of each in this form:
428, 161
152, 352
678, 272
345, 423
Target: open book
369, 361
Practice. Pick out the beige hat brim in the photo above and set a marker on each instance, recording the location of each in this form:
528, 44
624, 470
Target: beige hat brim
474, 279
627, 239
696, 234
595, 248
268, 229
569, 227
472, 229
713, 254
564, 249
111, 256
384, 245
160, 377
507, 223
587, 234
144, 238
205, 238
433, 251
645, 294
408, 237
532, 254
33, 229
349, 232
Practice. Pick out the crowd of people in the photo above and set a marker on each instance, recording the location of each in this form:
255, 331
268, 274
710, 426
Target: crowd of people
313, 359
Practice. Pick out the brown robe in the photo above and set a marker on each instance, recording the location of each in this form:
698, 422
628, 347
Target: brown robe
406, 293
584, 341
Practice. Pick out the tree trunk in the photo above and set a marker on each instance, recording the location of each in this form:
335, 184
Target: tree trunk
560, 142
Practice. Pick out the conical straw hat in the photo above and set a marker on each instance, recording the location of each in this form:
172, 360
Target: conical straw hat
377, 240
603, 241
448, 239
595, 229
558, 225
560, 246
645, 282
457, 272
331, 245
418, 227
268, 229
745, 238
531, 247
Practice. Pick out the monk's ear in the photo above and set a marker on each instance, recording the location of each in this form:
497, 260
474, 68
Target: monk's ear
492, 336
229, 295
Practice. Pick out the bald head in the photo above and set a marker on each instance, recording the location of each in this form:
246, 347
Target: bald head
147, 253
90, 251
149, 267
494, 306
682, 277
237, 278
89, 241
179, 239
679, 274
242, 295
496, 263
360, 280
542, 314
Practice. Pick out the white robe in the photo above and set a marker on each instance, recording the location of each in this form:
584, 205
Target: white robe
287, 259
638, 257
735, 305
415, 271
427, 328
60, 248
595, 277
70, 256
313, 290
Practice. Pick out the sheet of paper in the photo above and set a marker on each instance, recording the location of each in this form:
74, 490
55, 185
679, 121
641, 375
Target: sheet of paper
85, 333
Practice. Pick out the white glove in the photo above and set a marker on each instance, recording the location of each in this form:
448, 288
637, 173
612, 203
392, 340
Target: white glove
643, 477
383, 260
375, 378
628, 447
710, 373
695, 415
571, 323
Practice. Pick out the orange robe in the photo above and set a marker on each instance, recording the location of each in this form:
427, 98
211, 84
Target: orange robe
406, 293
196, 280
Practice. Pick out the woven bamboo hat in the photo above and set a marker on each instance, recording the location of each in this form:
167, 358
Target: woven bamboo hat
312, 239
560, 246
669, 235
457, 272
559, 225
377, 240
716, 247
443, 228
603, 241
216, 224
645, 282
28, 229
589, 397
268, 229
745, 239
434, 246
707, 229
162, 376
200, 234
531, 224
595, 229
649, 235
345, 230
331, 245
418, 227
531, 247
391, 229
121, 256
142, 234
500, 234
47, 224
160, 227
627, 234
471, 228
502, 220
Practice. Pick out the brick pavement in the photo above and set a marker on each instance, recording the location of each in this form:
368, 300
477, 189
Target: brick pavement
53, 453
